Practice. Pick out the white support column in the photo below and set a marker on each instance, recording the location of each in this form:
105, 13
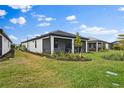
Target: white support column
97, 46
52, 44
107, 46
86, 46
72, 45
41, 45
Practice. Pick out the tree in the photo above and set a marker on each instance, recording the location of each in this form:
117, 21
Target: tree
78, 42
121, 40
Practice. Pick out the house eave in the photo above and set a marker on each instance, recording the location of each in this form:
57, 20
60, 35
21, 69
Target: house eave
53, 34
2, 33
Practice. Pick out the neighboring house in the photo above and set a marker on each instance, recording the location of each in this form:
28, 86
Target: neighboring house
5, 43
54, 42
114, 43
96, 44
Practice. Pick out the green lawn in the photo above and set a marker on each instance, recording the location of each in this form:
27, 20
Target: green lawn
28, 70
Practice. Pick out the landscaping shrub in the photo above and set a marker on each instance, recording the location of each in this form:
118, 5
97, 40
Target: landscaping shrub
64, 56
116, 57
69, 56
22, 48
118, 47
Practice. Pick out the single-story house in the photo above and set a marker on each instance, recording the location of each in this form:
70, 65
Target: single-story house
96, 44
55, 41
5, 43
114, 43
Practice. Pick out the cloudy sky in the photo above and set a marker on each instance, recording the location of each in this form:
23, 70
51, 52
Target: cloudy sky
102, 22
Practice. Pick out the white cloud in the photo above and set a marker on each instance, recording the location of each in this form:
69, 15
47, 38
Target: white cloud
41, 17
97, 30
2, 13
13, 37
44, 24
46, 32
121, 9
9, 27
83, 26
38, 16
71, 18
32, 36
20, 20
45, 21
50, 19
23, 8
74, 22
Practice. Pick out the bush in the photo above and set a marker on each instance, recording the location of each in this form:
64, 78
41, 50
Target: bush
64, 56
22, 48
118, 47
116, 57
69, 56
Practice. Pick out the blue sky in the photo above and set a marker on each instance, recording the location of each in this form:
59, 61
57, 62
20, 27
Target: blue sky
102, 22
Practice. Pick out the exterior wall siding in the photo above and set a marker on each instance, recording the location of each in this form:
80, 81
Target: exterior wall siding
6, 45
24, 44
32, 47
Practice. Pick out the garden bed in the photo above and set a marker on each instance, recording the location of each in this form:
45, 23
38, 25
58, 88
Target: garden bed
67, 56
64, 56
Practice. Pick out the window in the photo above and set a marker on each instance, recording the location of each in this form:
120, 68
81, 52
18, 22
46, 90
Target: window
56, 44
35, 44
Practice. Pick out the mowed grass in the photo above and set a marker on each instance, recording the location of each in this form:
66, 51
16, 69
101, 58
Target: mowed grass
32, 71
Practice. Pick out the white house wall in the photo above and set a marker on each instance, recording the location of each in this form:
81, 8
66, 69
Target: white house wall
24, 44
31, 46
6, 45
44, 45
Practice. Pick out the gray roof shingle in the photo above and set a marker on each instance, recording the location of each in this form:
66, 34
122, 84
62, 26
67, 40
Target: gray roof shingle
95, 39
56, 33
